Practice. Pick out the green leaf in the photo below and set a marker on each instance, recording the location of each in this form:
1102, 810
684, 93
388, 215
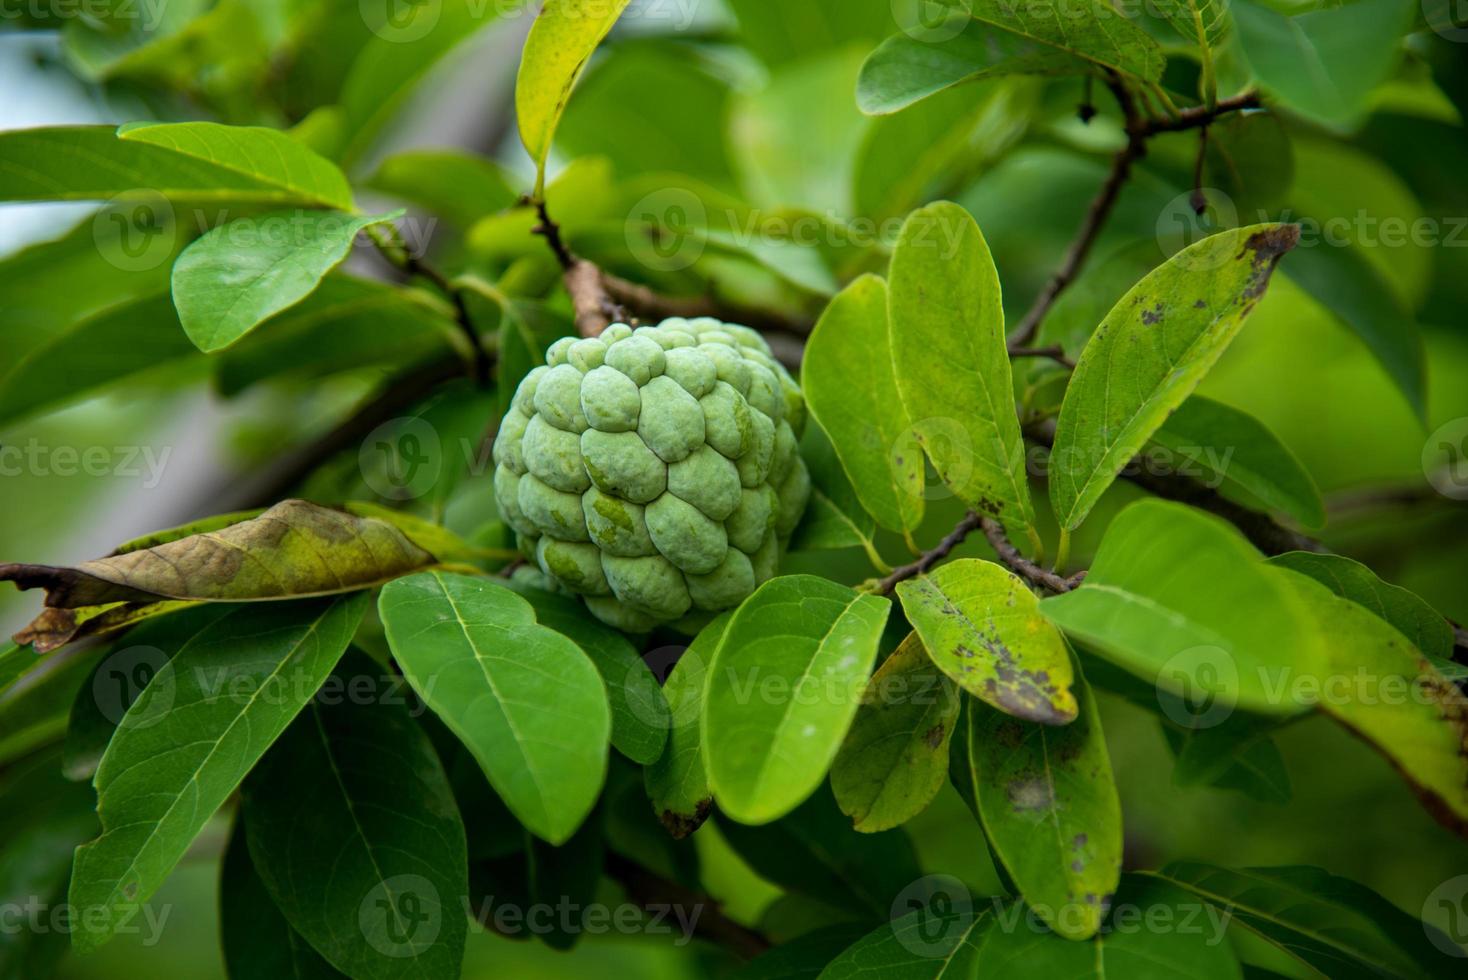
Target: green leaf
804, 957
1379, 686
1330, 923
639, 710
847, 377
1324, 63
194, 162
91, 354
814, 851
239, 275
834, 518
1150, 353
354, 831
1224, 447
1180, 599
895, 757
1356, 293
982, 627
461, 186
524, 699
294, 549
561, 42
1422, 625
948, 348
1191, 945
783, 687
677, 783
567, 877
258, 943
905, 69
1231, 756
924, 944
189, 740
1050, 809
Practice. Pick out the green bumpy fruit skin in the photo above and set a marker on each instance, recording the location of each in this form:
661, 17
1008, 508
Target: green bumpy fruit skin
654, 471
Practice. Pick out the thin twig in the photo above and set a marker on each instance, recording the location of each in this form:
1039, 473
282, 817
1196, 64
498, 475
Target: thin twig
967, 526
1035, 574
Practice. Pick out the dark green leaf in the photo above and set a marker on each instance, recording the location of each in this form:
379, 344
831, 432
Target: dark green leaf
463, 187
677, 783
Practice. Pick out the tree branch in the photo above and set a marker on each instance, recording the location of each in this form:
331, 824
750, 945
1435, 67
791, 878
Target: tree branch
965, 527
1035, 574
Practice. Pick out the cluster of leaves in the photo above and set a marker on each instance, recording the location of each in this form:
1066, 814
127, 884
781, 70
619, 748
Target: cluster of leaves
466, 735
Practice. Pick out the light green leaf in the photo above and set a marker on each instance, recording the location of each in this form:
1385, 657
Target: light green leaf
1422, 625
561, 42
639, 710
1015, 951
524, 699
928, 943
1342, 929
677, 784
895, 757
1380, 687
1354, 290
784, 685
256, 940
1180, 599
239, 275
189, 740
354, 831
905, 69
1323, 63
1224, 447
461, 186
983, 628
1150, 353
847, 377
294, 549
947, 326
1050, 809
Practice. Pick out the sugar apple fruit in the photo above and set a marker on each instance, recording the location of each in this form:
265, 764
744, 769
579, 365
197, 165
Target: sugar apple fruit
655, 471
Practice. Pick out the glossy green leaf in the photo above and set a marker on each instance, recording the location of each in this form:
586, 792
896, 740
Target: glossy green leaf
813, 851
258, 943
1224, 447
525, 699
186, 744
982, 627
1330, 923
834, 518
292, 550
783, 687
1184, 602
239, 275
354, 831
1050, 809
895, 757
561, 42
196, 162
847, 377
947, 326
1323, 63
1377, 684
677, 783
639, 710
1422, 625
461, 186
1351, 288
1187, 941
924, 944
1150, 353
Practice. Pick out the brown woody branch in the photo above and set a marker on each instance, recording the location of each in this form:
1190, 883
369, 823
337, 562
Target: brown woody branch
1140, 128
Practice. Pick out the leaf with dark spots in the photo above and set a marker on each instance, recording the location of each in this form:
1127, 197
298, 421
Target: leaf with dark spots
982, 627
1136, 370
1050, 808
895, 757
293, 550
